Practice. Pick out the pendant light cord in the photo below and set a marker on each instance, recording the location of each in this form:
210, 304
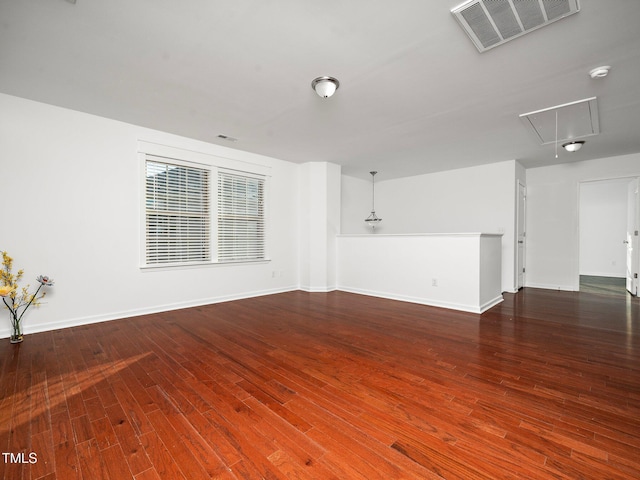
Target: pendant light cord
373, 192
556, 134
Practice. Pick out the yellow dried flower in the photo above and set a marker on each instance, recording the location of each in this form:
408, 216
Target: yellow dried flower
6, 290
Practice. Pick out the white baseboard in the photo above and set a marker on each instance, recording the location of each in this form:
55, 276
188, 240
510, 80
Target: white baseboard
76, 322
608, 275
566, 288
426, 301
306, 288
491, 303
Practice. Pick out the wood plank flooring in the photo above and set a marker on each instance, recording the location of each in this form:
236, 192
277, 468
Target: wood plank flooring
604, 285
331, 386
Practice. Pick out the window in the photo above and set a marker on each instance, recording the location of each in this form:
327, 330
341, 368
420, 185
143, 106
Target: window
180, 219
240, 217
177, 214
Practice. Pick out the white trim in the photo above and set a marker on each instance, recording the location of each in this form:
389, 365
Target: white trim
76, 322
172, 266
426, 301
491, 303
124, 314
599, 274
307, 288
215, 165
175, 188
379, 235
544, 286
517, 232
238, 213
193, 156
580, 184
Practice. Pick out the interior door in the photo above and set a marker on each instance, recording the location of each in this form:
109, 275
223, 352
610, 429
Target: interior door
520, 270
633, 225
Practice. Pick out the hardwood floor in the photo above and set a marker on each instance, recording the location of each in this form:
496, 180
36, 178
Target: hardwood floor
331, 386
604, 285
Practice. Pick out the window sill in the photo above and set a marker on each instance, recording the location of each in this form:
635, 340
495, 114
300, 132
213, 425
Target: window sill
187, 266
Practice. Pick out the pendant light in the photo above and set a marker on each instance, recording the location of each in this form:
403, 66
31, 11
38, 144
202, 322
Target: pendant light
373, 219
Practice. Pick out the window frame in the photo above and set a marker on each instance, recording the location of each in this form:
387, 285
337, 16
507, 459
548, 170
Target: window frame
174, 212
234, 219
214, 165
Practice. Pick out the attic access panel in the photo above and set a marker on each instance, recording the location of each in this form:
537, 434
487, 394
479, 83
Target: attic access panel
575, 120
490, 23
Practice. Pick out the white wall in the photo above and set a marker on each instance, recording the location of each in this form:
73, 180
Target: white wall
552, 217
319, 225
424, 268
72, 185
356, 205
476, 199
603, 227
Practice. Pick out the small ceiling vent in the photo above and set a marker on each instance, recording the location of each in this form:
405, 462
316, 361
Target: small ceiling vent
490, 23
227, 137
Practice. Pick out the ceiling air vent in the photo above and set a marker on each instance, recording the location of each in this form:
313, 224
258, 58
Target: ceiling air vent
490, 23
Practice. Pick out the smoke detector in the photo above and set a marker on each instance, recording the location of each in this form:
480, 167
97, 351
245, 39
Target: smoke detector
490, 23
600, 72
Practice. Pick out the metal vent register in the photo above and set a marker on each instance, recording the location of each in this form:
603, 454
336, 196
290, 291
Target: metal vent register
490, 23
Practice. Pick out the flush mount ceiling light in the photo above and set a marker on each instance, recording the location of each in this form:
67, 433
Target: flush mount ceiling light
325, 86
573, 146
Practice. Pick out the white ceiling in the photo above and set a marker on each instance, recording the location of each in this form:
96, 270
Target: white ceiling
415, 95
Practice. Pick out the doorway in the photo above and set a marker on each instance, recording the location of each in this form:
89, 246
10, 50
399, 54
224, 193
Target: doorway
608, 225
610, 286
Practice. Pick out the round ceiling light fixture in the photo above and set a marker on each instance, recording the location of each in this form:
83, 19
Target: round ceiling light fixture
325, 86
600, 72
573, 146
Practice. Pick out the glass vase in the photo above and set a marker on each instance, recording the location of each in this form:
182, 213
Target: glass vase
16, 329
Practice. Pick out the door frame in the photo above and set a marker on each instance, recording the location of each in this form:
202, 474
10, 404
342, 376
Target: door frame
521, 215
632, 240
579, 204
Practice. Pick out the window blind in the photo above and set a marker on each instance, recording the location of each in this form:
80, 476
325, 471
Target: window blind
177, 214
240, 217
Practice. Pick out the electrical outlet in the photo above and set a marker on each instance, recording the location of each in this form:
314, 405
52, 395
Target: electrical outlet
434, 282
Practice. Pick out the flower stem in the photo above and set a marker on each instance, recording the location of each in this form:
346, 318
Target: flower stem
29, 304
15, 321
